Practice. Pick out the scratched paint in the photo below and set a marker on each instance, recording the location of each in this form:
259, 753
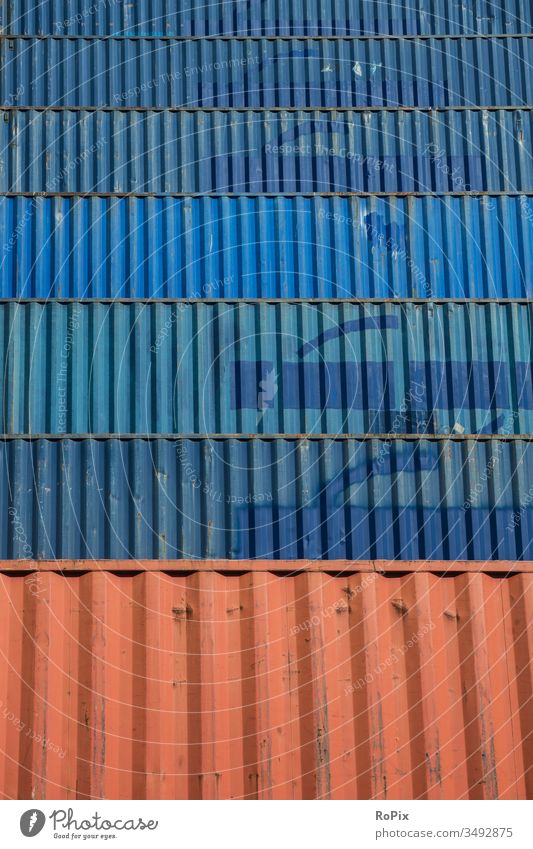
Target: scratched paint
262, 367
119, 72
246, 152
265, 497
258, 693
272, 18
246, 247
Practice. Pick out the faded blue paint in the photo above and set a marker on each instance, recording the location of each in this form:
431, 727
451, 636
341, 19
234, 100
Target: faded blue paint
268, 17
266, 73
304, 247
266, 368
261, 151
277, 498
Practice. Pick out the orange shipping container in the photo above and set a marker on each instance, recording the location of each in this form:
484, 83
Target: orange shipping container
195, 680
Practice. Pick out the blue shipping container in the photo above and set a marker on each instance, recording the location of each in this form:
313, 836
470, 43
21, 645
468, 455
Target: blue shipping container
262, 151
307, 247
268, 17
267, 498
266, 73
266, 368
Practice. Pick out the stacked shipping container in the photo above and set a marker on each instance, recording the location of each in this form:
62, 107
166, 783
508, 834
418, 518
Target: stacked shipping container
231, 341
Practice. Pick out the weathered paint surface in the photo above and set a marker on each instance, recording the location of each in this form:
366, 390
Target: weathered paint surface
260, 151
270, 17
260, 367
266, 73
282, 498
305, 247
258, 686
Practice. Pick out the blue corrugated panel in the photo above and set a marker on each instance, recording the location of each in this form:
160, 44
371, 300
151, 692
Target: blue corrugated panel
264, 17
272, 498
265, 73
266, 368
262, 151
267, 247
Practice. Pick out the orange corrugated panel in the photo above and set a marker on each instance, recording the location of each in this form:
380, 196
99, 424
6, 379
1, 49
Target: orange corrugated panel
204, 684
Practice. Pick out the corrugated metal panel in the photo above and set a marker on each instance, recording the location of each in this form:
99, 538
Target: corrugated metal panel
389, 498
249, 152
263, 73
266, 368
304, 247
260, 686
271, 17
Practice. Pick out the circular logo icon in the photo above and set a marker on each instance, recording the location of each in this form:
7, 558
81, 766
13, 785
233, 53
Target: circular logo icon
32, 822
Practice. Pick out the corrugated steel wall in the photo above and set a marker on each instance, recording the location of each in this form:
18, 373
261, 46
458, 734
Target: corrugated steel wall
266, 367
352, 498
303, 247
206, 686
407, 684
273, 17
263, 151
255, 73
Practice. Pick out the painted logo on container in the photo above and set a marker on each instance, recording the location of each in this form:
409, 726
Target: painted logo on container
314, 379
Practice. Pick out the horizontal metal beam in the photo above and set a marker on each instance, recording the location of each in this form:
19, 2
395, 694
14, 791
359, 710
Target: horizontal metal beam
238, 301
267, 437
255, 38
501, 568
473, 194
267, 109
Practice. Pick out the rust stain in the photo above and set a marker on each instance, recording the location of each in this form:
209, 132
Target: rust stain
354, 567
183, 612
379, 778
434, 768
